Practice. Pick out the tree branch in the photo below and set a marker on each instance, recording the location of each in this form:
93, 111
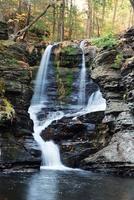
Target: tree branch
20, 32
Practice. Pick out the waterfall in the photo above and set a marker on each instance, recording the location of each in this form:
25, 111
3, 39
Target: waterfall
50, 151
82, 87
95, 103
41, 80
39, 105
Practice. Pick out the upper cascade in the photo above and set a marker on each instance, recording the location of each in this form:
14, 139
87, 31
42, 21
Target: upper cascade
40, 94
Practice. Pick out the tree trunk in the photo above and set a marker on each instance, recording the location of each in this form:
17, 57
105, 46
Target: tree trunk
103, 12
93, 20
62, 20
89, 19
98, 27
54, 21
28, 20
58, 23
132, 17
132, 3
1, 16
19, 7
114, 14
70, 21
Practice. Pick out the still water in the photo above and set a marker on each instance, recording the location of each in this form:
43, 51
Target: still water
67, 185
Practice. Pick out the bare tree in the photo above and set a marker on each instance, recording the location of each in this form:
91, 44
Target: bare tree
115, 11
54, 21
89, 18
62, 20
70, 20
103, 12
21, 32
28, 19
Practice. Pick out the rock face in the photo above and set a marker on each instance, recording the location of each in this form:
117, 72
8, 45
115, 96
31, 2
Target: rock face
77, 138
18, 149
69, 54
117, 87
3, 31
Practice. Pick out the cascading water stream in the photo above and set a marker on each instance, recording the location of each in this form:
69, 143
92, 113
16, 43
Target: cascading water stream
40, 86
82, 87
50, 151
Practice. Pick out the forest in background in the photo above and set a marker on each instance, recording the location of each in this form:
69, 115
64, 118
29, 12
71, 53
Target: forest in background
64, 20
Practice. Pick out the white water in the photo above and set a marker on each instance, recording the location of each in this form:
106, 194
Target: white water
82, 89
95, 103
50, 151
41, 80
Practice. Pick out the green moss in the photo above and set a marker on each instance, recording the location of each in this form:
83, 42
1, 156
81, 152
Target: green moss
7, 60
12, 61
69, 50
69, 79
6, 43
7, 111
117, 61
105, 41
6, 56
64, 79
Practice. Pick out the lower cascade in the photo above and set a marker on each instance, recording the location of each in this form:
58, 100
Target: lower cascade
42, 117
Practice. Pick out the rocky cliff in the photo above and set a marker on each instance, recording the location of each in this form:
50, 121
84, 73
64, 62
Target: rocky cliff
18, 149
116, 80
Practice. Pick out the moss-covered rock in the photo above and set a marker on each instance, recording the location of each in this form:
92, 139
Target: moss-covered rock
7, 111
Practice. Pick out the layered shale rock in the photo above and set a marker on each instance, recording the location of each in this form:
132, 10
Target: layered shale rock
117, 87
18, 149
